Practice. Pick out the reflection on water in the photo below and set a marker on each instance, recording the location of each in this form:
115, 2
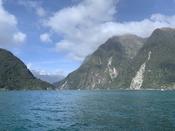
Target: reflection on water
87, 110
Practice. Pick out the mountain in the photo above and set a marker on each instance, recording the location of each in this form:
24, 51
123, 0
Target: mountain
106, 67
50, 78
154, 66
128, 62
14, 75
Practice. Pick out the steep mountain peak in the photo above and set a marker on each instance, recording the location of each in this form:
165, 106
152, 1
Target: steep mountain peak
15, 75
128, 42
128, 60
166, 30
132, 44
128, 36
122, 38
4, 51
161, 36
106, 65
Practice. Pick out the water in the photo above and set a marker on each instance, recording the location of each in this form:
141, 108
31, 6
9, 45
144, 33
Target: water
87, 110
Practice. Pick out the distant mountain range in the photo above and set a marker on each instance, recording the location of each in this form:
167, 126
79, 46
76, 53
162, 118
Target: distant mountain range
50, 78
122, 62
128, 62
14, 75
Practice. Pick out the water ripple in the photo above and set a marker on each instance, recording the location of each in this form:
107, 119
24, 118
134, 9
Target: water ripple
87, 110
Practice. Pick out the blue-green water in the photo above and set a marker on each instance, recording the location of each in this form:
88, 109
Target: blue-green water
87, 110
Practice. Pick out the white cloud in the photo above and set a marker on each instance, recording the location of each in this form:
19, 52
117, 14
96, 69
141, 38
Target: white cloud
51, 78
45, 72
40, 12
45, 38
34, 5
36, 66
90, 23
19, 37
9, 33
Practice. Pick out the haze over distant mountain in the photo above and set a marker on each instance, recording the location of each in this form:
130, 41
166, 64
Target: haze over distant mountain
51, 78
128, 62
14, 75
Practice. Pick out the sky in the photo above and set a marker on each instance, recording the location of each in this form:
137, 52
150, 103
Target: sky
54, 36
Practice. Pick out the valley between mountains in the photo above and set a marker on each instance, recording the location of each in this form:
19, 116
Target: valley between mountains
122, 62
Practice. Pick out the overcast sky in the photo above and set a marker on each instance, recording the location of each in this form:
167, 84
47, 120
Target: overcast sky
54, 36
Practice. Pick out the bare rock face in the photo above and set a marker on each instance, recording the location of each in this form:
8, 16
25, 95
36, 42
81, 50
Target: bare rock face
128, 62
137, 81
158, 71
106, 67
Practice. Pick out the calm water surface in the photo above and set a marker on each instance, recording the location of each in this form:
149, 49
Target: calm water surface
87, 110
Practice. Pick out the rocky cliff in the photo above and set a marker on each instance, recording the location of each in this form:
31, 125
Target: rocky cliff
128, 62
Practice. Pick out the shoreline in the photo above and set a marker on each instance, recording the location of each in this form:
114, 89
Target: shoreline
112, 89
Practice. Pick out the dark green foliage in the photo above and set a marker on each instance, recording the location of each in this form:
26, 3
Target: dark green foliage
15, 75
94, 72
128, 53
160, 70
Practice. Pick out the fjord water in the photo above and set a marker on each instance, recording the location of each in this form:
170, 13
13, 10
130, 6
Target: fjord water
87, 110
